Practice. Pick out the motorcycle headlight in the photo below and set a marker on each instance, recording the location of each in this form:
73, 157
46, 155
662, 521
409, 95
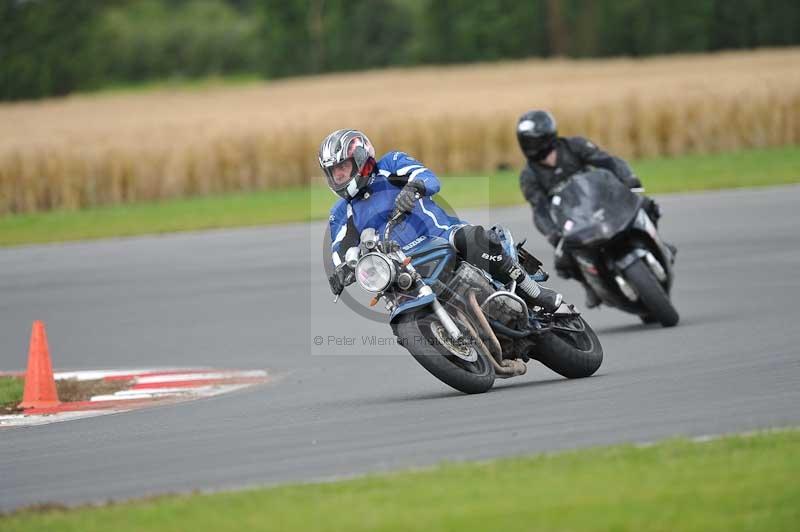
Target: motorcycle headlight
374, 272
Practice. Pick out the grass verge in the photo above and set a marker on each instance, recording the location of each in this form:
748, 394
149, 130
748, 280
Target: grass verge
734, 483
10, 394
750, 168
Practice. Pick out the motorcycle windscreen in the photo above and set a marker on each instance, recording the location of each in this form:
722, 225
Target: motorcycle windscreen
592, 207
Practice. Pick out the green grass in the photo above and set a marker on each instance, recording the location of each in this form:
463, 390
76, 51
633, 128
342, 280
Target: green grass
700, 172
233, 210
735, 483
176, 83
10, 392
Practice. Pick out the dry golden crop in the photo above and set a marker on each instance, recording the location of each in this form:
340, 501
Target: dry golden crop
111, 148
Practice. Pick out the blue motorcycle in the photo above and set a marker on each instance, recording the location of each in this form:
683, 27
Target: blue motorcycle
461, 325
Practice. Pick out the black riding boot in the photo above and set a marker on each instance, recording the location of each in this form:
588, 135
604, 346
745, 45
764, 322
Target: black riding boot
567, 268
654, 213
484, 249
592, 299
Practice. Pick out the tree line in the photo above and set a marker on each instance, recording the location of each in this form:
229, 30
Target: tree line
54, 47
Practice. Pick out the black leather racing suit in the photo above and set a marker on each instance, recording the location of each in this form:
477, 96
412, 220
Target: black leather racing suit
574, 155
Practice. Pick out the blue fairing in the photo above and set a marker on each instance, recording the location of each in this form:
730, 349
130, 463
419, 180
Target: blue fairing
430, 249
419, 302
424, 251
425, 244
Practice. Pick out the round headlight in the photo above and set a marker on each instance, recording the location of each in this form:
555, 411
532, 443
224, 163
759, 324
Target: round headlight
374, 272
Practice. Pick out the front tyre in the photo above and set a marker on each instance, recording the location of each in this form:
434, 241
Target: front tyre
651, 294
570, 348
421, 333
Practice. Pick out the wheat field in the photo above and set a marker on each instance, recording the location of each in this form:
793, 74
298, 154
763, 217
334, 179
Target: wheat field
123, 147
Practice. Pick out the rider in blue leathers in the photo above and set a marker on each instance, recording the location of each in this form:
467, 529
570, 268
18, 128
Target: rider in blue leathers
372, 209
371, 191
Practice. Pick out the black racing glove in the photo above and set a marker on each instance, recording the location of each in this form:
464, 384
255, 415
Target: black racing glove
553, 238
409, 195
342, 276
652, 208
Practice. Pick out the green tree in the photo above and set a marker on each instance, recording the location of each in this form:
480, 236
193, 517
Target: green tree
285, 30
52, 47
645, 27
750, 23
43, 47
310, 36
152, 39
462, 30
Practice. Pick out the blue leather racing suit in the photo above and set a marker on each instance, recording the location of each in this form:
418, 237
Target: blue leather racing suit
374, 205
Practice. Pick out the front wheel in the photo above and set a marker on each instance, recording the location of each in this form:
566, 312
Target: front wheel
651, 294
463, 366
570, 348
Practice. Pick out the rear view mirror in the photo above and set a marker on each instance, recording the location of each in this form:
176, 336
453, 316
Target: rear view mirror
369, 238
352, 256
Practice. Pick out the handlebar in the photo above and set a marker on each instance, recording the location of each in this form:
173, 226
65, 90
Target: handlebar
393, 219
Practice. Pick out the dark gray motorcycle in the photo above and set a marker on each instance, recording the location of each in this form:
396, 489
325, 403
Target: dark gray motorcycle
615, 244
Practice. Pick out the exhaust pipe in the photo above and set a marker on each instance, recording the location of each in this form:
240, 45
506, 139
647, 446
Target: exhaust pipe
502, 367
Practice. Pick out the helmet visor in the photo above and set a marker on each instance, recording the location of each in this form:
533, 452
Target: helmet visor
537, 148
340, 174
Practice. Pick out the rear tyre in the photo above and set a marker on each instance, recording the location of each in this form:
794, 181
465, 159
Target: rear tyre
651, 294
417, 332
571, 348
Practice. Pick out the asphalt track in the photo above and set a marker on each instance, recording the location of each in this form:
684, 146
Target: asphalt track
253, 298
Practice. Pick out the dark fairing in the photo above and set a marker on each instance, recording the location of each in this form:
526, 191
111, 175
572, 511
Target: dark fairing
592, 207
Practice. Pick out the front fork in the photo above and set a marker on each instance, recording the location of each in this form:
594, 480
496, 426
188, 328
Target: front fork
444, 318
425, 290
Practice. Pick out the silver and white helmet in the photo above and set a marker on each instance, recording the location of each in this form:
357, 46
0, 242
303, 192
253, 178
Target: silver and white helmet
343, 148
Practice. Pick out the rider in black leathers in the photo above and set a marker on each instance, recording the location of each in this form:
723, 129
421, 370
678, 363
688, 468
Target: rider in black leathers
551, 160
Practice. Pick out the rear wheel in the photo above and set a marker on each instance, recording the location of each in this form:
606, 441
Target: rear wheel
651, 294
571, 348
463, 366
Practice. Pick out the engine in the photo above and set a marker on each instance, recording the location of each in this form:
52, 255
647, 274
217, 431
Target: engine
503, 308
468, 277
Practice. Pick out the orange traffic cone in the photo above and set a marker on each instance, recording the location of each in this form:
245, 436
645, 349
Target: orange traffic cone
40, 386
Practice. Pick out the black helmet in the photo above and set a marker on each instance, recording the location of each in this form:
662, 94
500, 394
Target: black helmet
536, 133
